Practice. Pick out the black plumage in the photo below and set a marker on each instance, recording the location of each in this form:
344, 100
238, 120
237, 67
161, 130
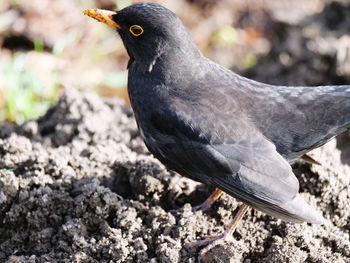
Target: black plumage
214, 126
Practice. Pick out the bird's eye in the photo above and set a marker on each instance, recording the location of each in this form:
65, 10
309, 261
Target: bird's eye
136, 30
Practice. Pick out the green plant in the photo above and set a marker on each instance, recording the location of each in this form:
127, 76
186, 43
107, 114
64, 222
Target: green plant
24, 93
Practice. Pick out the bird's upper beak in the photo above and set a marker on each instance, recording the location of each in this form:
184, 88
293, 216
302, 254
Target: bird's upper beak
104, 16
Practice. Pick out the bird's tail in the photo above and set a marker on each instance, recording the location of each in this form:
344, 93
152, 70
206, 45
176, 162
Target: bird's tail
295, 210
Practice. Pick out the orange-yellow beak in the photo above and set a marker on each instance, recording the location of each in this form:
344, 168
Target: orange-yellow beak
104, 16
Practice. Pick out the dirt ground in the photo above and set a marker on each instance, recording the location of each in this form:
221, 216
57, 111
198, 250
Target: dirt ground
78, 185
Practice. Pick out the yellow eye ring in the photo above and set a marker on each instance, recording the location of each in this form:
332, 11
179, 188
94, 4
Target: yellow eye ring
136, 30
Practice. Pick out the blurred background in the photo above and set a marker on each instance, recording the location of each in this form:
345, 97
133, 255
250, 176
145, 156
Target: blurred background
48, 46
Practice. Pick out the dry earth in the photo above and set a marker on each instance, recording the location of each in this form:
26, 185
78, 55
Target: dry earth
78, 185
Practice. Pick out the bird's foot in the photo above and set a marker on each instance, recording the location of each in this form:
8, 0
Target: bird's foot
203, 206
177, 210
227, 235
224, 237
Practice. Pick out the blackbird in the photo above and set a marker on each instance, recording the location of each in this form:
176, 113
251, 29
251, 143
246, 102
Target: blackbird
214, 126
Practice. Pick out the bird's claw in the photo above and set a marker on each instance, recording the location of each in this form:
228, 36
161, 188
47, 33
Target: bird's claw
202, 207
224, 237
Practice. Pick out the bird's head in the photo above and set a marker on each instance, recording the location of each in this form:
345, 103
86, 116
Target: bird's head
149, 32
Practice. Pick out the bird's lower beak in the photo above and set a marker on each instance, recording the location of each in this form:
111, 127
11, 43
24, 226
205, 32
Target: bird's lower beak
104, 16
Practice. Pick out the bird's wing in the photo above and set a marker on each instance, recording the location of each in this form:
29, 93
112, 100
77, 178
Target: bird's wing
299, 119
295, 119
262, 173
248, 168
264, 180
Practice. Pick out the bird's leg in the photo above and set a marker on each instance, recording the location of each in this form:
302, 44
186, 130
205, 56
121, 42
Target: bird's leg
207, 203
227, 235
210, 201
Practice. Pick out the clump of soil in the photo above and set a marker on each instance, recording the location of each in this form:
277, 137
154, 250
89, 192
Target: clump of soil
78, 185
